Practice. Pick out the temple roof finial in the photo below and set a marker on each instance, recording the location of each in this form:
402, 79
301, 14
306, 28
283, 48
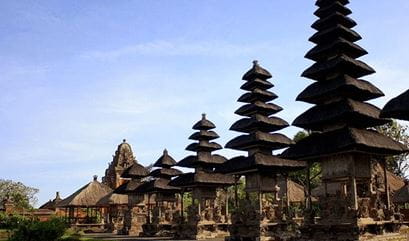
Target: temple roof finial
255, 62
203, 116
123, 140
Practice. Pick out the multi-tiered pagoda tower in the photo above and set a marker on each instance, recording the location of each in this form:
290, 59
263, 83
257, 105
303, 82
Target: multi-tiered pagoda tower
207, 217
356, 201
261, 216
127, 212
164, 211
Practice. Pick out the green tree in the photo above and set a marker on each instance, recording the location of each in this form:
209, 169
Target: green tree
23, 196
315, 169
397, 164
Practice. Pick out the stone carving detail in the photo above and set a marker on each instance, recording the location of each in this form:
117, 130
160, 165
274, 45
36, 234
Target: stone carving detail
122, 159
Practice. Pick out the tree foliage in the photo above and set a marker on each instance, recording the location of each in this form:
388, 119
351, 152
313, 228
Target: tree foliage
315, 169
397, 164
23, 196
34, 230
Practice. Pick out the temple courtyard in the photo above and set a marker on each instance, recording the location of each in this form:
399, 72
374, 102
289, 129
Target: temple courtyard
342, 177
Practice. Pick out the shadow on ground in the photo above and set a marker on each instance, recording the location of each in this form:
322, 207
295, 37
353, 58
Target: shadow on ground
113, 237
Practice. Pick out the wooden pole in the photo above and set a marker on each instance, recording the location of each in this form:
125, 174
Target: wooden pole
287, 194
385, 174
353, 191
236, 195
149, 208
182, 194
309, 205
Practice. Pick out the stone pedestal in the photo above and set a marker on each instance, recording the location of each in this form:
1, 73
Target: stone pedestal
207, 217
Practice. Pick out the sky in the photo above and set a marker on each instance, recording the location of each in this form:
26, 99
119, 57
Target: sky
78, 76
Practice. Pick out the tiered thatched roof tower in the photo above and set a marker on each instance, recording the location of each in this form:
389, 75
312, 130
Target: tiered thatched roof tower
256, 218
207, 217
161, 213
342, 140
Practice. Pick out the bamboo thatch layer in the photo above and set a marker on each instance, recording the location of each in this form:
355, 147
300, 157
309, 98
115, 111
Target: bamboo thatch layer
86, 196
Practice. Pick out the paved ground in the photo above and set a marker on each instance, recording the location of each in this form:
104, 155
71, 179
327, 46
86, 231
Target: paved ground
130, 238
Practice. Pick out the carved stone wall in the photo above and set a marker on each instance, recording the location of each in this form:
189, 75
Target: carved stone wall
122, 159
207, 217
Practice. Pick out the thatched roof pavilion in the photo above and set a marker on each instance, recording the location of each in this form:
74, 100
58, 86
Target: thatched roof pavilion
87, 196
83, 206
397, 107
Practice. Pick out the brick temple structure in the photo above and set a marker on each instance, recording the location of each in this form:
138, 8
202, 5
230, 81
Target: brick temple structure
207, 217
262, 215
343, 140
122, 159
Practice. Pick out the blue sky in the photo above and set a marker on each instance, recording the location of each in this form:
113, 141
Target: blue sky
79, 76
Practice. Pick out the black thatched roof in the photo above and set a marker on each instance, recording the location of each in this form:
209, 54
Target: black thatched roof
339, 46
165, 172
326, 3
259, 122
203, 160
157, 185
204, 124
52, 204
397, 107
344, 140
334, 33
333, 19
258, 107
256, 72
204, 135
342, 64
202, 179
135, 171
165, 160
257, 95
335, 6
128, 187
340, 87
259, 139
402, 195
256, 84
113, 199
261, 162
346, 112
203, 146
